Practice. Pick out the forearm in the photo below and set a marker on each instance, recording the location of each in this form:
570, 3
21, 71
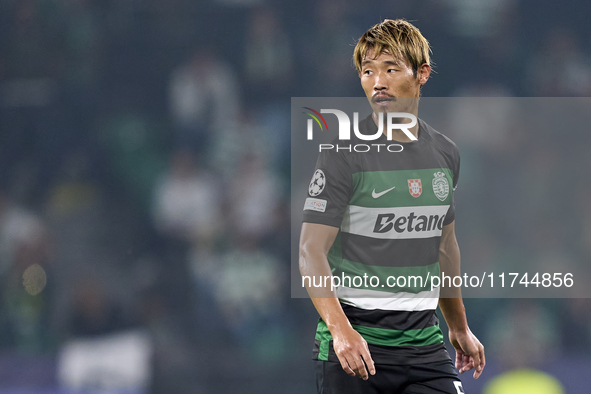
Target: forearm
449, 260
450, 303
349, 346
331, 312
314, 269
454, 313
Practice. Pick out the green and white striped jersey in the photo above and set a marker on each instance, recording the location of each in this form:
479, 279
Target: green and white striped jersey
390, 208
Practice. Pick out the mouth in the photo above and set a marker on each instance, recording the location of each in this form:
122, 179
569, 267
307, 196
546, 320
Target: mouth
382, 99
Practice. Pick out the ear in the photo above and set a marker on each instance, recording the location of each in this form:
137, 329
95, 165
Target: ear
423, 73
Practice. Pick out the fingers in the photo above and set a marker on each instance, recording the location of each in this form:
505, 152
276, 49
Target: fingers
459, 357
359, 368
481, 364
345, 366
469, 353
477, 373
467, 364
353, 354
368, 361
475, 361
354, 363
482, 357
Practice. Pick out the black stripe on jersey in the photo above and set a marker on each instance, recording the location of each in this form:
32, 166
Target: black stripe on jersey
398, 355
406, 355
390, 253
392, 320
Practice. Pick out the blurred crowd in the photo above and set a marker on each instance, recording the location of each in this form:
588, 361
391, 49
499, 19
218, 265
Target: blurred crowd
145, 190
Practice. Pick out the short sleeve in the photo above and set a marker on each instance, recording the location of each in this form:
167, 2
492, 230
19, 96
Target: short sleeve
329, 190
451, 212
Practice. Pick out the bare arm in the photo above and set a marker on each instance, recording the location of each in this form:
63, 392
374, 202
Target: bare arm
348, 344
469, 350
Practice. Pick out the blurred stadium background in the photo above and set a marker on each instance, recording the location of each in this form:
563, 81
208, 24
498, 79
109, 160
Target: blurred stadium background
144, 185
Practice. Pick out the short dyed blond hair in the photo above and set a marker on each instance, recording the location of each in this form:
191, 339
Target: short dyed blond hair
398, 37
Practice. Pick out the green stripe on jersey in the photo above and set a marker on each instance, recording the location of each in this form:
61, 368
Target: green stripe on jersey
382, 336
323, 335
386, 337
416, 279
375, 182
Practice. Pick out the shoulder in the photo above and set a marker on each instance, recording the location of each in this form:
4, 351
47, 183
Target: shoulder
337, 152
442, 142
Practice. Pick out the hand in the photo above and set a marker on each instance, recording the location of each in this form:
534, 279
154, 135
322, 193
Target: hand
353, 353
469, 352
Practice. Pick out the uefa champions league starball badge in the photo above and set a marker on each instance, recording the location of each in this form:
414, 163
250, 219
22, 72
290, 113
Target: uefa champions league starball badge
317, 184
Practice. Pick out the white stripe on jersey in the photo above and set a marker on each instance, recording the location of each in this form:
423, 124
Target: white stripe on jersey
373, 299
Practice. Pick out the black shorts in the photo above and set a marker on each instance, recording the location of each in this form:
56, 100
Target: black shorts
430, 378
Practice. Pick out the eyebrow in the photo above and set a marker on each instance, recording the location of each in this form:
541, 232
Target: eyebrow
389, 62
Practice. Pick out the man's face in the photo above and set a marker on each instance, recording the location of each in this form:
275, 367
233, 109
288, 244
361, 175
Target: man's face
385, 79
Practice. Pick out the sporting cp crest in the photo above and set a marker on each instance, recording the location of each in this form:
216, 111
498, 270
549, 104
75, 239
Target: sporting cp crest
415, 187
440, 186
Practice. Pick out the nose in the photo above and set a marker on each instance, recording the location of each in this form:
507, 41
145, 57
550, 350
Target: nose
380, 82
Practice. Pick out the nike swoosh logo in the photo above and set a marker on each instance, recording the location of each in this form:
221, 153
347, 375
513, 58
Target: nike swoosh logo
380, 194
